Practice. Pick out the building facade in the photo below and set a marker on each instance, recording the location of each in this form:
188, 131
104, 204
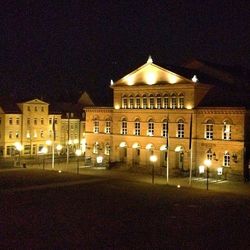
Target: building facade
157, 112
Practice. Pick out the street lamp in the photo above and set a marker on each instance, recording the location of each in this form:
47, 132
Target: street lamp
78, 152
44, 151
153, 159
207, 163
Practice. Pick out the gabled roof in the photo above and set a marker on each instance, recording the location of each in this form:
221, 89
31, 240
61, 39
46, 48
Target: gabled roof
35, 101
151, 74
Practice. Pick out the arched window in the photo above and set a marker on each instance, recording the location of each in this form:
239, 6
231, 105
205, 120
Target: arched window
144, 101
158, 101
181, 101
95, 148
107, 149
174, 101
165, 101
209, 130
124, 128
107, 126
226, 161
226, 133
137, 127
124, 102
209, 154
180, 128
165, 128
96, 126
151, 101
150, 127
137, 102
131, 102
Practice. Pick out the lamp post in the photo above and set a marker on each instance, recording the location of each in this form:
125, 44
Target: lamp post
78, 152
153, 159
44, 151
207, 163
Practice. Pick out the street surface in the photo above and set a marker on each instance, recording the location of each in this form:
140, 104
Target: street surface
111, 209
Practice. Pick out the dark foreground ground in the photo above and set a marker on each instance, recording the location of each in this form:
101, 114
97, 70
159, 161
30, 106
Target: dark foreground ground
48, 210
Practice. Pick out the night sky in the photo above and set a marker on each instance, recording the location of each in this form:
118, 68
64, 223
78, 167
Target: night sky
56, 49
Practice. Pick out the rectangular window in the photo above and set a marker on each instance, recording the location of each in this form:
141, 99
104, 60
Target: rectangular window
164, 129
26, 150
42, 109
10, 121
17, 134
125, 103
107, 127
159, 102
17, 121
35, 108
41, 134
28, 121
151, 102
138, 103
180, 133
28, 108
209, 132
173, 102
144, 102
165, 102
50, 121
227, 132
10, 135
10, 150
42, 121
150, 129
34, 149
226, 160
35, 121
181, 102
124, 128
131, 103
96, 127
137, 128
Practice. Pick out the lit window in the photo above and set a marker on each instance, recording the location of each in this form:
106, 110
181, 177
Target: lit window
107, 149
131, 102
124, 128
209, 154
181, 101
137, 127
124, 102
107, 127
138, 102
96, 148
158, 100
180, 129
174, 101
144, 102
165, 128
226, 131
150, 127
209, 130
96, 126
151, 102
165, 102
226, 162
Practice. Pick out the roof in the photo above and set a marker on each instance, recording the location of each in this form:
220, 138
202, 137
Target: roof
9, 106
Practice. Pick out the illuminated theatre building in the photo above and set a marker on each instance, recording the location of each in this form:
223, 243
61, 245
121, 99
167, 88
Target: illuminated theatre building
157, 112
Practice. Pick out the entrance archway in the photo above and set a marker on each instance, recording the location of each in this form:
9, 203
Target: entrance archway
179, 157
136, 154
123, 151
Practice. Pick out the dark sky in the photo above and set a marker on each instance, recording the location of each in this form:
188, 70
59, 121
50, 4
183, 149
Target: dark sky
57, 48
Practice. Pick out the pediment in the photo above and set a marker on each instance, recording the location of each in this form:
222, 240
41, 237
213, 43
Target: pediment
36, 101
151, 74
